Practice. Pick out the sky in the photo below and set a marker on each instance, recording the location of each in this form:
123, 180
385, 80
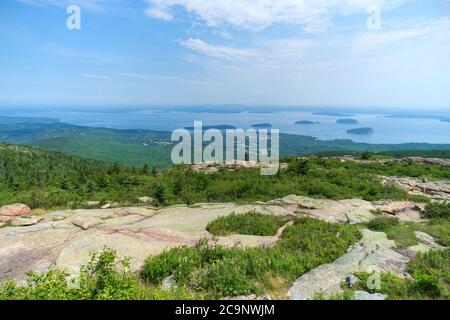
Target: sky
352, 53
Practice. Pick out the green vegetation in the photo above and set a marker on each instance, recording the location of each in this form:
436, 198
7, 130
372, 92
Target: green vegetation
438, 211
136, 147
105, 277
49, 179
431, 279
220, 271
250, 223
113, 151
403, 233
442, 154
383, 223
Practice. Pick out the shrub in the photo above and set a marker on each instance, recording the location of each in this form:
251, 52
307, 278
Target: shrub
105, 277
432, 273
431, 279
438, 211
224, 271
250, 223
383, 223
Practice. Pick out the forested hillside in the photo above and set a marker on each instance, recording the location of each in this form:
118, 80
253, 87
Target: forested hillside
137, 147
49, 179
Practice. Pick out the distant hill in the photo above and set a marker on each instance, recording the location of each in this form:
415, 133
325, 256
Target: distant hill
306, 122
262, 126
136, 147
360, 131
347, 121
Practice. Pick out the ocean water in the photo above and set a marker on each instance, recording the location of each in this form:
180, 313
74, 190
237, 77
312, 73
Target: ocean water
386, 129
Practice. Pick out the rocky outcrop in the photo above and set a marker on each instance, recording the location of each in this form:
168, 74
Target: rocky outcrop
404, 210
436, 190
25, 221
8, 213
65, 239
344, 211
145, 200
436, 161
374, 252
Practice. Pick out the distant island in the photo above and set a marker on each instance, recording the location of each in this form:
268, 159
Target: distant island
347, 121
262, 126
360, 131
306, 122
218, 127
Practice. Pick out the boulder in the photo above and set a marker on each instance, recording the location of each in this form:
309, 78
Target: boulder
86, 223
8, 213
363, 295
145, 200
25, 221
106, 206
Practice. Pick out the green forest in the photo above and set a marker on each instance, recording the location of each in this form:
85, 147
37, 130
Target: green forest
44, 179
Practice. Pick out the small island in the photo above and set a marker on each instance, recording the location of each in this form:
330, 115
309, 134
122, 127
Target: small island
262, 126
306, 122
347, 121
361, 131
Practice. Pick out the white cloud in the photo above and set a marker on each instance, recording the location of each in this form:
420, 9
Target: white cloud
220, 52
260, 14
159, 14
370, 41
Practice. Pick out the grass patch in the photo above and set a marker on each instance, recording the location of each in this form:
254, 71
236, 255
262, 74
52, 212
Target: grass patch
404, 236
250, 223
220, 271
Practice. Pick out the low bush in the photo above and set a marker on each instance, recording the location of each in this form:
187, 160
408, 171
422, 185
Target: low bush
250, 223
210, 268
431, 279
383, 223
438, 211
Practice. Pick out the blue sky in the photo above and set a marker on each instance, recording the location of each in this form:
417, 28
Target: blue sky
259, 52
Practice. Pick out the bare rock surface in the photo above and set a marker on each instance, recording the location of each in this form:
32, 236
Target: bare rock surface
65, 239
404, 210
436, 190
25, 221
343, 211
374, 252
436, 161
426, 244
